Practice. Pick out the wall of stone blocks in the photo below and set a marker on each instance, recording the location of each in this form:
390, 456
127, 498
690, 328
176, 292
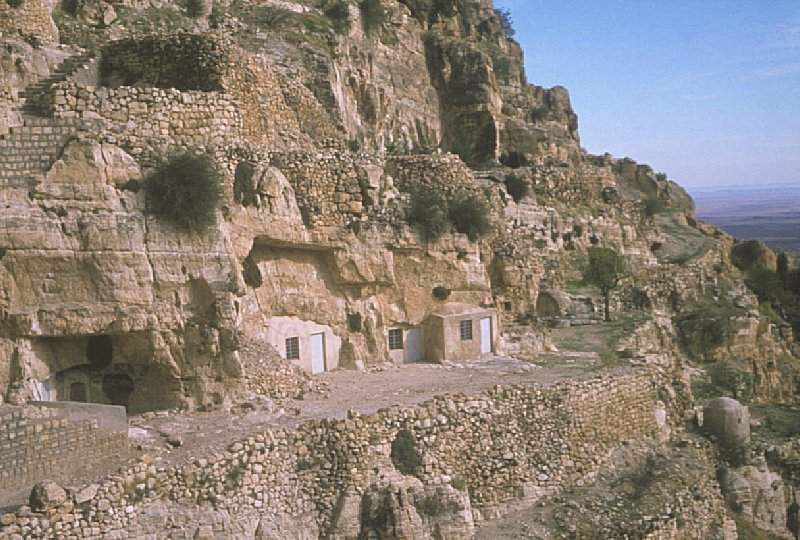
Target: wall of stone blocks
445, 172
36, 443
506, 444
144, 120
31, 18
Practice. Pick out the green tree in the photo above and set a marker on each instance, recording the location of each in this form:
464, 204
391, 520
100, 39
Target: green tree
604, 270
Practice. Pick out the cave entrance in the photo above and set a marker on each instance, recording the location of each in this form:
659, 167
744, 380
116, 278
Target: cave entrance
547, 306
99, 352
118, 387
77, 392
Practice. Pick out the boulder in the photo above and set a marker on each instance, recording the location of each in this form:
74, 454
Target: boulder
46, 495
728, 421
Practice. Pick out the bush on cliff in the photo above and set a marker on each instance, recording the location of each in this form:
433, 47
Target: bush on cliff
434, 213
517, 187
338, 12
373, 15
15, 3
404, 453
469, 215
185, 191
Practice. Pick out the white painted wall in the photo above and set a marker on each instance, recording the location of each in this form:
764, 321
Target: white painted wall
280, 328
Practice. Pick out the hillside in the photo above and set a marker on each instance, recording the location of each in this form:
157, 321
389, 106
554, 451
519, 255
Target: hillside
338, 263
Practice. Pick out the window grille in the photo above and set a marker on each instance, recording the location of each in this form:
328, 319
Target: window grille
395, 339
293, 348
465, 328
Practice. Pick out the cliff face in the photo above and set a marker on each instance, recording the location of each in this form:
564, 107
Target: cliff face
322, 123
330, 124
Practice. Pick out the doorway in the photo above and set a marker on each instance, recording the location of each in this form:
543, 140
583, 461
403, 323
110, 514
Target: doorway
414, 346
317, 353
486, 335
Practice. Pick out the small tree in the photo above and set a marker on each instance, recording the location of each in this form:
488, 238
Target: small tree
604, 270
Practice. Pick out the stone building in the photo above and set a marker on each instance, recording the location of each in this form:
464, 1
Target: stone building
308, 345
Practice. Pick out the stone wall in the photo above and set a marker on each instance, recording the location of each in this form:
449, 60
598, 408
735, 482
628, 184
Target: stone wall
36, 443
31, 18
444, 172
148, 118
327, 186
508, 444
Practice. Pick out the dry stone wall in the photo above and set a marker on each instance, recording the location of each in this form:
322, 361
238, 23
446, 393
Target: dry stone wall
30, 19
36, 443
148, 118
507, 444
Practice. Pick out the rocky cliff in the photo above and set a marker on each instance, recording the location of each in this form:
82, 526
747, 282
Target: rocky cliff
329, 125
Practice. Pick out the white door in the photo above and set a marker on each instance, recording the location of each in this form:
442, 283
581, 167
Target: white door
317, 353
486, 335
414, 345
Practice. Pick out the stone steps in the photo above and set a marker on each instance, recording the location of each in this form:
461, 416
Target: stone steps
33, 95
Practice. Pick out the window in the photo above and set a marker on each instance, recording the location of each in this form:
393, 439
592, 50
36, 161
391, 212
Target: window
466, 330
395, 339
293, 348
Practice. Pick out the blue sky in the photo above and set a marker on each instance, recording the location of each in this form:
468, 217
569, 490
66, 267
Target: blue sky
707, 91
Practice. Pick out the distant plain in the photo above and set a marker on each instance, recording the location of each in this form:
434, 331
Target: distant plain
768, 212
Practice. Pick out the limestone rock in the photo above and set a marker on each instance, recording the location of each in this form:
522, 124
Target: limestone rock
85, 494
46, 495
89, 162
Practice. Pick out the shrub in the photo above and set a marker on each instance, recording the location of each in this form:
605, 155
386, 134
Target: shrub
354, 322
514, 159
404, 453
661, 177
610, 195
577, 230
765, 283
15, 3
195, 8
185, 190
271, 18
469, 214
502, 67
338, 12
428, 211
441, 293
517, 187
506, 22
373, 15
70, 7
652, 206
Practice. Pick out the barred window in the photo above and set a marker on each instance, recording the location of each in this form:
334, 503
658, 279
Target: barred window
395, 339
293, 348
465, 328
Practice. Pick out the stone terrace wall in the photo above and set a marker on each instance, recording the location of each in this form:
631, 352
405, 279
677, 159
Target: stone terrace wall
330, 188
276, 110
35, 443
181, 61
445, 172
506, 444
143, 120
30, 18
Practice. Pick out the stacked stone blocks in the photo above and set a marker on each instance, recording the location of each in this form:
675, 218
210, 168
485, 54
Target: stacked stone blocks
35, 444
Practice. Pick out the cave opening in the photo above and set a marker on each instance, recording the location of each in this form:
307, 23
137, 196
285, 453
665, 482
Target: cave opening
99, 352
